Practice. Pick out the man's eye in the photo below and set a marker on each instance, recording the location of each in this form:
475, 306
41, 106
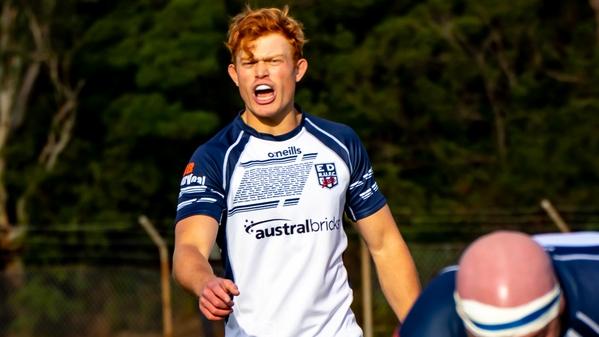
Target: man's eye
276, 61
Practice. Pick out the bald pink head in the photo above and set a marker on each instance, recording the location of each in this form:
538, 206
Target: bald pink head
504, 269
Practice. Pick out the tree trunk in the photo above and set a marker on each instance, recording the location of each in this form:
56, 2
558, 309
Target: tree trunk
12, 65
490, 84
25, 45
595, 6
9, 65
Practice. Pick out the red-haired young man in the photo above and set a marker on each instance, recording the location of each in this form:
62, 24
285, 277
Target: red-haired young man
271, 189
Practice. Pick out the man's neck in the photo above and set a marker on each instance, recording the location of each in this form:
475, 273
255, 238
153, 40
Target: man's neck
273, 126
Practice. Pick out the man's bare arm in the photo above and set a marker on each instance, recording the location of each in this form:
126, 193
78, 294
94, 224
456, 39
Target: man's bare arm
194, 239
394, 264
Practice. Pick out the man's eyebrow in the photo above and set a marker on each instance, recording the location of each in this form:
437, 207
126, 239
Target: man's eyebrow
265, 58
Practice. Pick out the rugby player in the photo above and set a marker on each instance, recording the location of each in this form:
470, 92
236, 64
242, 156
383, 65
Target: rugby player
509, 284
271, 189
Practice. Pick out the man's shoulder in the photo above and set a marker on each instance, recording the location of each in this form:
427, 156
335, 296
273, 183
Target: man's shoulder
443, 284
337, 129
218, 144
570, 246
433, 314
575, 258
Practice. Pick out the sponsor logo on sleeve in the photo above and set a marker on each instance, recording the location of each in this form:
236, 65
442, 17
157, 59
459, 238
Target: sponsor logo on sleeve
193, 179
327, 175
188, 168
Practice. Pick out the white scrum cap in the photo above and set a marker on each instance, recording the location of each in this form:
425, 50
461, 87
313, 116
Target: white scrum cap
506, 286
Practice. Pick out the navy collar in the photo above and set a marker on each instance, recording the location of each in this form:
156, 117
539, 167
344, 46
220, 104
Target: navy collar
268, 136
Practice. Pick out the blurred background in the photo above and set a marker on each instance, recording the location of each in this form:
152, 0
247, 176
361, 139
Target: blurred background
472, 111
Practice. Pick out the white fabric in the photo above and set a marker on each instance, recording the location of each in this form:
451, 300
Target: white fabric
280, 201
574, 239
485, 320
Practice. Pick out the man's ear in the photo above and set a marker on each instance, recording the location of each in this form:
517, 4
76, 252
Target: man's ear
233, 73
302, 67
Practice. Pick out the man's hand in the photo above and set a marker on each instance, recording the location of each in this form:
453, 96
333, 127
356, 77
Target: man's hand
216, 299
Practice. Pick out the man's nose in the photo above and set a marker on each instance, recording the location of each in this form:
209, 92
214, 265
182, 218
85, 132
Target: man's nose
261, 69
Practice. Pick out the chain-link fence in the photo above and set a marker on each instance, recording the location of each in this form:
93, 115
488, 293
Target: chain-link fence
121, 301
79, 293
65, 301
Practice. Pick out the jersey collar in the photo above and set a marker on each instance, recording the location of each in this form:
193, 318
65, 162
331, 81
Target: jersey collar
267, 136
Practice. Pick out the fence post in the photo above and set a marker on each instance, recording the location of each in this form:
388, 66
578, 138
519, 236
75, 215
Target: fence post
554, 215
366, 289
167, 319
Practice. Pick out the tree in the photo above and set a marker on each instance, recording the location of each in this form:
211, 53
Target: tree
27, 52
159, 93
461, 101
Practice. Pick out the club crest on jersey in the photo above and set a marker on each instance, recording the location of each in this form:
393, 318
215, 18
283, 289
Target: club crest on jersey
326, 174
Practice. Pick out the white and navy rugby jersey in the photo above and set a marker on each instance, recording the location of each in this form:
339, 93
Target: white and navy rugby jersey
575, 258
280, 202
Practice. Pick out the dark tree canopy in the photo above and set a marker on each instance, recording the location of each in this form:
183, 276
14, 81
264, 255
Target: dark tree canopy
463, 105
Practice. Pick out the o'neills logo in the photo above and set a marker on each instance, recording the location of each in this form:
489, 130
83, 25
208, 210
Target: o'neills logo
284, 153
284, 227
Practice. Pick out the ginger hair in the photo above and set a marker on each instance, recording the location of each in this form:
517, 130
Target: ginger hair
251, 24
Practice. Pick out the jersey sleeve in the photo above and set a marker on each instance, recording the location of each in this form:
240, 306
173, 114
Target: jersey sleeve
201, 190
363, 195
433, 313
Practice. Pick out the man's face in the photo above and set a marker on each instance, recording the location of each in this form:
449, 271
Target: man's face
267, 78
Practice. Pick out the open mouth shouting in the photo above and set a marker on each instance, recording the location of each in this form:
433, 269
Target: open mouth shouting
264, 94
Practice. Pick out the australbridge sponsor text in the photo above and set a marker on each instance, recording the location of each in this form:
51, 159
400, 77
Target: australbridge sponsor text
286, 227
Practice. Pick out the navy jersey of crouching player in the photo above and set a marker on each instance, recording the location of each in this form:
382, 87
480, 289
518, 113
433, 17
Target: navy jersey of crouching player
575, 259
280, 202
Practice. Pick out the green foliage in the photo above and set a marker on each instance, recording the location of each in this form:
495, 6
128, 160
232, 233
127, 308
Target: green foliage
82, 301
460, 104
45, 305
463, 106
456, 99
151, 69
149, 115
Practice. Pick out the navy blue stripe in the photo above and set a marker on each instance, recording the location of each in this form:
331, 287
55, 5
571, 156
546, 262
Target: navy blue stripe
262, 205
252, 209
234, 156
269, 161
522, 321
293, 203
566, 250
309, 156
